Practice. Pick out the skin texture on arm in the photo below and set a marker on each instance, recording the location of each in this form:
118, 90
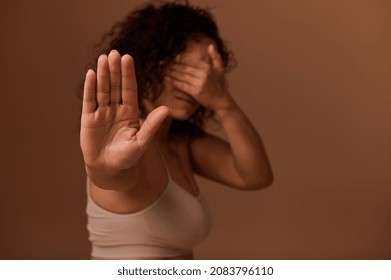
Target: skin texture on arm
112, 138
242, 162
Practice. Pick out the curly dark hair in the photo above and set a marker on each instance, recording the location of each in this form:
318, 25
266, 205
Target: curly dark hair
153, 35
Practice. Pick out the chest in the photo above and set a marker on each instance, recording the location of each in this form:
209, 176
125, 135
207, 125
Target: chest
162, 164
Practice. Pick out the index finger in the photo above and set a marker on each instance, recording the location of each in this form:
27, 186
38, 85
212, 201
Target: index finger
129, 82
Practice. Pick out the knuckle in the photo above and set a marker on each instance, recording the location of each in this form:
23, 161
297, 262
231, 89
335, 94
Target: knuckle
115, 88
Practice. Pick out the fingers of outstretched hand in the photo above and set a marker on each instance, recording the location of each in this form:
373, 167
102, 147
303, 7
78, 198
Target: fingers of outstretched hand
89, 96
103, 81
114, 61
129, 83
113, 82
151, 125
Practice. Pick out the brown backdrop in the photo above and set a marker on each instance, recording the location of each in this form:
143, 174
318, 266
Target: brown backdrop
314, 76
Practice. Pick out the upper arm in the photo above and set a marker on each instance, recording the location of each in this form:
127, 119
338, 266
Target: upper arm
211, 157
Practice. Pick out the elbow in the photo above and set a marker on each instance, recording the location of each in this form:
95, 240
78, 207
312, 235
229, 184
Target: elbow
267, 183
260, 184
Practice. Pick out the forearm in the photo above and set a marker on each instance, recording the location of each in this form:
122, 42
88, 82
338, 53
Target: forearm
248, 153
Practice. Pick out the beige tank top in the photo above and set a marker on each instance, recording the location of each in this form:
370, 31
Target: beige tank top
171, 226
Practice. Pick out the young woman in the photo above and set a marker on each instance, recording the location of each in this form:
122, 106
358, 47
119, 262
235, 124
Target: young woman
143, 140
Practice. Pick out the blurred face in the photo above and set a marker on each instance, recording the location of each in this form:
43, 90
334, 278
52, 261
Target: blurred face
182, 104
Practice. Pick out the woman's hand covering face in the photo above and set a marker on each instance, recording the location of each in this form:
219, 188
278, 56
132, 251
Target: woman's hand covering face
200, 76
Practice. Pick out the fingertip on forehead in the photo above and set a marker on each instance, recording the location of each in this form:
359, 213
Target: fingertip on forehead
198, 47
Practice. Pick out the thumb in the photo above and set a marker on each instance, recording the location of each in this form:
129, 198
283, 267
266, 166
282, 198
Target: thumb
215, 56
151, 125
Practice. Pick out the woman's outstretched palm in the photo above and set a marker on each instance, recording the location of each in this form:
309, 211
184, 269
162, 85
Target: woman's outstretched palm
111, 136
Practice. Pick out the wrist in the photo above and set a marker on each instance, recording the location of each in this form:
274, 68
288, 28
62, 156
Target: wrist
100, 172
225, 108
112, 179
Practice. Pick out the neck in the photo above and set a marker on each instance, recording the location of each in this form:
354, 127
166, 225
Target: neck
163, 132
164, 129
